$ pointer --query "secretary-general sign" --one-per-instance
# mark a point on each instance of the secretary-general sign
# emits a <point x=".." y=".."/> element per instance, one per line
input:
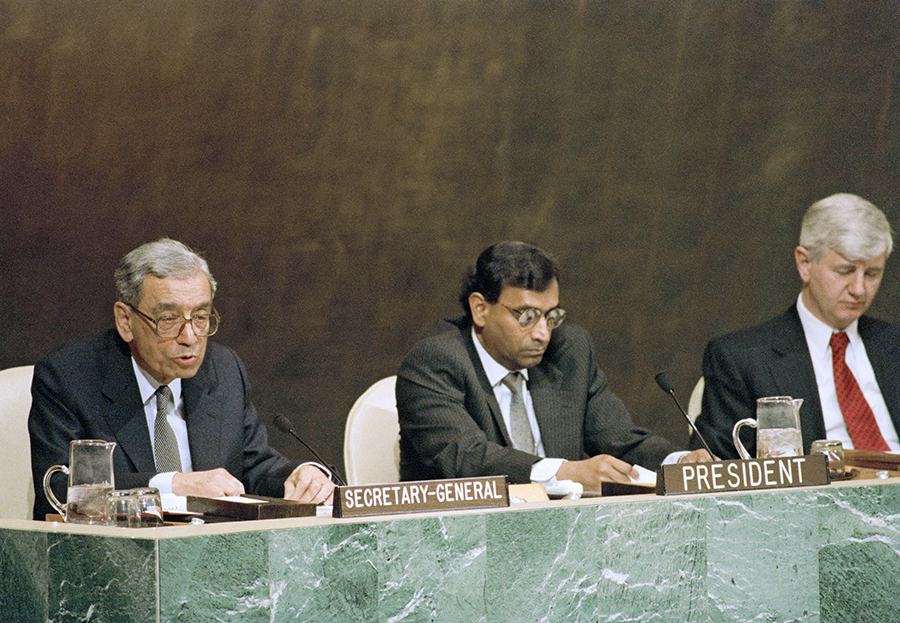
<point x="419" y="496"/>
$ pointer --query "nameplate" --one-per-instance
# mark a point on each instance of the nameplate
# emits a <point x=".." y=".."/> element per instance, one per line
<point x="772" y="473"/>
<point x="421" y="496"/>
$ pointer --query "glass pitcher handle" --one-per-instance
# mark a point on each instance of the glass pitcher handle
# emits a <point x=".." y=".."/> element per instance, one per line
<point x="55" y="503"/>
<point x="735" y="437"/>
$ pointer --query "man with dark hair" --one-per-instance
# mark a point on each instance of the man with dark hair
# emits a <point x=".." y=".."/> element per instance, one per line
<point x="177" y="408"/>
<point x="823" y="349"/>
<point x="506" y="390"/>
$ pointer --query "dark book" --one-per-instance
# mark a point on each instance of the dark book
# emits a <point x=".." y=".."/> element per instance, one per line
<point x="259" y="507"/>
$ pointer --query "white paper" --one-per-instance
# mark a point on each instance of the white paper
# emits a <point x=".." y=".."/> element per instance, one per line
<point x="240" y="499"/>
<point x="566" y="489"/>
<point x="174" y="503"/>
<point x="645" y="476"/>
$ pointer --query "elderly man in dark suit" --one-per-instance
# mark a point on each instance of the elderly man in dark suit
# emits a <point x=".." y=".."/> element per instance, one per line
<point x="506" y="390"/>
<point x="156" y="372"/>
<point x="844" y="365"/>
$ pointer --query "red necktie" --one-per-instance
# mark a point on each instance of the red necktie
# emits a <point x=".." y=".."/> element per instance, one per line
<point x="857" y="412"/>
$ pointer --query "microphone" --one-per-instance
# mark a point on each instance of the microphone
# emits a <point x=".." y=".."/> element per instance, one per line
<point x="663" y="381"/>
<point x="284" y="425"/>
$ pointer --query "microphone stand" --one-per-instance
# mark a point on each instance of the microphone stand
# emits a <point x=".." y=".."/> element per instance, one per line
<point x="663" y="381"/>
<point x="284" y="425"/>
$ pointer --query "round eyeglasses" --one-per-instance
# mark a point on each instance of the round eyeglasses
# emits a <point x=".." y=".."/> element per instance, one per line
<point x="169" y="325"/>
<point x="529" y="316"/>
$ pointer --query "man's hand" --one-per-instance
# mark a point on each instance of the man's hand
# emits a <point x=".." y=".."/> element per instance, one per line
<point x="209" y="484"/>
<point x="697" y="456"/>
<point x="308" y="483"/>
<point x="591" y="472"/>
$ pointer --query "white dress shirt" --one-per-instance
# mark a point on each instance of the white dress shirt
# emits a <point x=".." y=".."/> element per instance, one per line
<point x="818" y="337"/>
<point x="544" y="471"/>
<point x="147" y="385"/>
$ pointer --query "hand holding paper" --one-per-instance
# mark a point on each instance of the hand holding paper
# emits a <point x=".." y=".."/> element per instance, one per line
<point x="597" y="469"/>
<point x="645" y="476"/>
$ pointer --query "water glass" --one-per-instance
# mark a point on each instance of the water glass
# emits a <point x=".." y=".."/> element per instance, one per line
<point x="123" y="508"/>
<point x="834" y="452"/>
<point x="136" y="508"/>
<point x="149" y="503"/>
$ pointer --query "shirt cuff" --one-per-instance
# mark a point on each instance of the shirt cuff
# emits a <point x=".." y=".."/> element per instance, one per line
<point x="675" y="457"/>
<point x="163" y="482"/>
<point x="544" y="471"/>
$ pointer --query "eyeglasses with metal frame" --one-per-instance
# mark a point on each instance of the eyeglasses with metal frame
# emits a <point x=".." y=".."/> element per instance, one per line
<point x="169" y="325"/>
<point x="529" y="316"/>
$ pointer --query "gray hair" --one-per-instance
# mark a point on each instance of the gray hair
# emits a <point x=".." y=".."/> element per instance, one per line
<point x="847" y="224"/>
<point x="163" y="258"/>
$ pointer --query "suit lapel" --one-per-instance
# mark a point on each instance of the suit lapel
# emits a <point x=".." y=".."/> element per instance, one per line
<point x="793" y="374"/>
<point x="123" y="409"/>
<point x="201" y="405"/>
<point x="486" y="390"/>
<point x="546" y="398"/>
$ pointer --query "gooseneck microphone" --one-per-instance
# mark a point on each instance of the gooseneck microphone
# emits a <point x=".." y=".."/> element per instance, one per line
<point x="284" y="425"/>
<point x="663" y="381"/>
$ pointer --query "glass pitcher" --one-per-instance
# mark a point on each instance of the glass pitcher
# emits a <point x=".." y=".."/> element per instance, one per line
<point x="90" y="473"/>
<point x="777" y="427"/>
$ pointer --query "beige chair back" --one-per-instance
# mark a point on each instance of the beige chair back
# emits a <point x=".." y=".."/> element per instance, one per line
<point x="372" y="436"/>
<point x="695" y="403"/>
<point x="17" y="490"/>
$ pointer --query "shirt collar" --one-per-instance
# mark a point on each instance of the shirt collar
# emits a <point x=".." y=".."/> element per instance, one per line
<point x="147" y="385"/>
<point x="494" y="371"/>
<point x="818" y="334"/>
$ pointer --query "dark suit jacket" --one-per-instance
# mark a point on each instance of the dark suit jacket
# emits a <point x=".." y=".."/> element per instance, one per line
<point x="88" y="391"/>
<point x="772" y="359"/>
<point x="451" y="425"/>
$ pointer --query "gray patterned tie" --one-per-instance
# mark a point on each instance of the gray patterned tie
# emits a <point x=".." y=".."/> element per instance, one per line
<point x="520" y="427"/>
<point x="168" y="459"/>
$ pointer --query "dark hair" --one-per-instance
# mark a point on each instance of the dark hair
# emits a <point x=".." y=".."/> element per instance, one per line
<point x="515" y="264"/>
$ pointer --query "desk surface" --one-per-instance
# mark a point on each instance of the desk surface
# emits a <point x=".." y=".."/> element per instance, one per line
<point x="806" y="554"/>
<point x="866" y="478"/>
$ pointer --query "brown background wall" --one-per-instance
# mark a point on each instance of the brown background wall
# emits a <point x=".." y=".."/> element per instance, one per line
<point x="341" y="163"/>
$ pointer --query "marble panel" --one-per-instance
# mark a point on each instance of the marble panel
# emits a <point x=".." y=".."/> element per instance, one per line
<point x="222" y="577"/>
<point x="762" y="557"/>
<point x="426" y="569"/>
<point x="567" y="564"/>
<point x="528" y="562"/>
<point x="432" y="569"/>
<point x="651" y="562"/>
<point x="324" y="573"/>
<point x="859" y="561"/>
<point x="95" y="578"/>
<point x="23" y="576"/>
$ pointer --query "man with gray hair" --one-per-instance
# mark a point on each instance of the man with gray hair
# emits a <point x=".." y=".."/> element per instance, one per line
<point x="822" y="349"/>
<point x="177" y="407"/>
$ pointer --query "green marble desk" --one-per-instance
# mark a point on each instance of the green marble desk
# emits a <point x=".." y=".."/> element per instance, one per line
<point x="818" y="554"/>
